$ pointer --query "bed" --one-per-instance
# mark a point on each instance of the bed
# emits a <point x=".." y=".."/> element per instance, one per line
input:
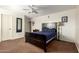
<point x="44" y="37"/>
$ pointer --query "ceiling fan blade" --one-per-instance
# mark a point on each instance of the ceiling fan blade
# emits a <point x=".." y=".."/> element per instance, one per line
<point x="33" y="10"/>
<point x="25" y="9"/>
<point x="30" y="6"/>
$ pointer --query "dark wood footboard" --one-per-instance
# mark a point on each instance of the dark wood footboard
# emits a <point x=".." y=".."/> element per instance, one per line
<point x="38" y="40"/>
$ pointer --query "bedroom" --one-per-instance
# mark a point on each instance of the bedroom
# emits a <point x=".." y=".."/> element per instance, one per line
<point x="21" y="20"/>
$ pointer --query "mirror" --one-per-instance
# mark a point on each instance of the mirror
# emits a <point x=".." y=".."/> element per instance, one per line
<point x="18" y="24"/>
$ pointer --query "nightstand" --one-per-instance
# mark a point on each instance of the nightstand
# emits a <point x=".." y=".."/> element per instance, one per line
<point x="35" y="30"/>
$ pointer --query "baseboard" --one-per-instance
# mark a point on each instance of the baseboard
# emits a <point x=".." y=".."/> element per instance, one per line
<point x="72" y="41"/>
<point x="17" y="38"/>
<point x="0" y="40"/>
<point x="77" y="45"/>
<point x="12" y="39"/>
<point x="66" y="41"/>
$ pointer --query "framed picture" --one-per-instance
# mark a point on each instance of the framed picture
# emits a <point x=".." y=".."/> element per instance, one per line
<point x="64" y="18"/>
<point x="18" y="24"/>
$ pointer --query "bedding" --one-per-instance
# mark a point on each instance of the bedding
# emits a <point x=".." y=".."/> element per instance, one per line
<point x="47" y="34"/>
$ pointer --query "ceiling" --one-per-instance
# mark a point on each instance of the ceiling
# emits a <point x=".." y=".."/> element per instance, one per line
<point x="41" y="9"/>
<point x="54" y="8"/>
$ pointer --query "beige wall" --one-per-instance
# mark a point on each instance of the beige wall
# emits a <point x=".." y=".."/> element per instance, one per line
<point x="0" y="27"/>
<point x="77" y="28"/>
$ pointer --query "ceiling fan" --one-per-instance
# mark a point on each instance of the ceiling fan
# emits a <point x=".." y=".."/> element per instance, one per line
<point x="33" y="9"/>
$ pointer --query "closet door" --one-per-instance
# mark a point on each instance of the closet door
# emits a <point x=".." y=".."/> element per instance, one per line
<point x="6" y="27"/>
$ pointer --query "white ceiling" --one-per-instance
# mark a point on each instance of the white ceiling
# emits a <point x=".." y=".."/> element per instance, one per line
<point x="54" y="8"/>
<point x="41" y="9"/>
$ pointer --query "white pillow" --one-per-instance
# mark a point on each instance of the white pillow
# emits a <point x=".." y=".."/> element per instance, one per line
<point x="51" y="25"/>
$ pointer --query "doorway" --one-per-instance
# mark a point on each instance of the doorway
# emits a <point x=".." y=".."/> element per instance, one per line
<point x="27" y="24"/>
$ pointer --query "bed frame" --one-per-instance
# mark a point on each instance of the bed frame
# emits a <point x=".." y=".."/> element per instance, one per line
<point x="38" y="40"/>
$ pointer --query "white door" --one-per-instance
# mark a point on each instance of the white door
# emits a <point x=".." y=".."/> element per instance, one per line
<point x="6" y="27"/>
